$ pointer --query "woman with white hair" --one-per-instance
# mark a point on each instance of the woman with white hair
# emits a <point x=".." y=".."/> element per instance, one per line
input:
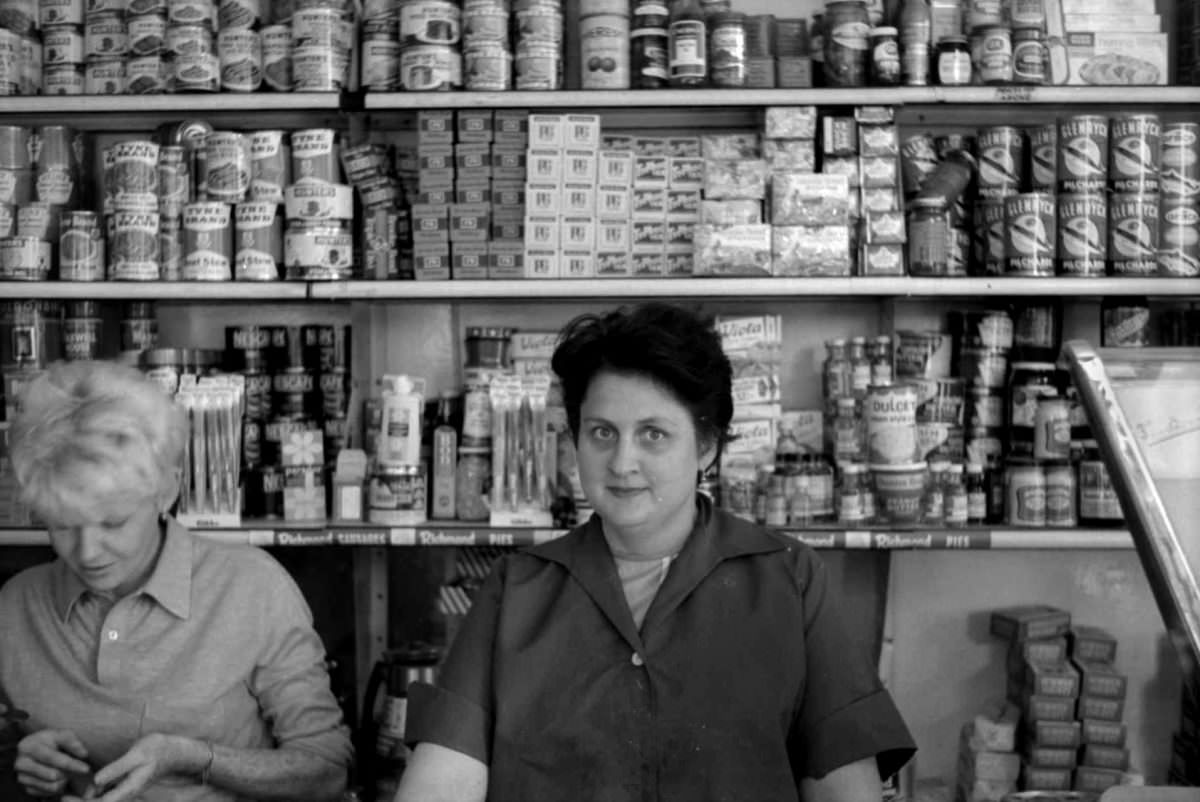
<point x="153" y="665"/>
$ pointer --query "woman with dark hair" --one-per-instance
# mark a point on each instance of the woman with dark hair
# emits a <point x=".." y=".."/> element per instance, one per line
<point x="663" y="650"/>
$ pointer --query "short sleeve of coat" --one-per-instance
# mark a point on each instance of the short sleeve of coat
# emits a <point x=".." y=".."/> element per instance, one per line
<point x="846" y="714"/>
<point x="456" y="712"/>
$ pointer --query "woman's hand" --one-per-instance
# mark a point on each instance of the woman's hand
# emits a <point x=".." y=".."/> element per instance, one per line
<point x="152" y="757"/>
<point x="48" y="759"/>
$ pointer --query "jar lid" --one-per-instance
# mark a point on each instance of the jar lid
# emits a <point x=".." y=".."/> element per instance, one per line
<point x="883" y="30"/>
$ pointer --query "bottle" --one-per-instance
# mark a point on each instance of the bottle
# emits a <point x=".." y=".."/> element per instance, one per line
<point x="816" y="44"/>
<point x="955" y="496"/>
<point x="648" y="45"/>
<point x="882" y="372"/>
<point x="860" y="368"/>
<point x="777" y="502"/>
<point x="835" y="372"/>
<point x="850" y="495"/>
<point x="916" y="29"/>
<point x="935" y="498"/>
<point x="687" y="49"/>
<point x="821" y="488"/>
<point x="849" y="443"/>
<point x="444" y="447"/>
<point x="976" y="494"/>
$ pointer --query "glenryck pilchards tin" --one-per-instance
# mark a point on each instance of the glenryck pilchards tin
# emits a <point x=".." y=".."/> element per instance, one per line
<point x="1135" y="146"/>
<point x="314" y="155"/>
<point x="1179" y="240"/>
<point x="1030" y="226"/>
<point x="1083" y="153"/>
<point x="1180" y="160"/>
<point x="1133" y="225"/>
<point x="1083" y="234"/>
<point x="1001" y="161"/>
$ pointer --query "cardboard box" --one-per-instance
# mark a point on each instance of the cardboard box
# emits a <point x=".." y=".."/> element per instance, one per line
<point x="435" y="157"/>
<point x="1038" y="779"/>
<point x="1048" y="708"/>
<point x="546" y="131"/>
<point x="1117" y="58"/>
<point x="649" y="261"/>
<point x="1052" y="679"/>
<point x="684" y="204"/>
<point x="510" y="127"/>
<point x="683" y="147"/>
<point x="685" y="173"/>
<point x="1095" y="780"/>
<point x="1100" y="679"/>
<point x="508" y="195"/>
<point x="743" y="250"/>
<point x="650" y="171"/>
<point x="615" y="167"/>
<point x="651" y="146"/>
<point x="577" y="264"/>
<point x="649" y="233"/>
<point x="430" y="180"/>
<point x="883" y="260"/>
<point x="544" y="166"/>
<point x="1127" y="23"/>
<point x="579" y="166"/>
<point x="578" y="200"/>
<point x="469" y="222"/>
<point x="790" y="122"/>
<point x="1103" y="733"/>
<point x="996" y="731"/>
<point x="1049" y="757"/>
<point x="506" y="259"/>
<point x="541" y="233"/>
<point x="1092" y="643"/>
<point x="431" y="262"/>
<point x="1108" y="7"/>
<point x="808" y="199"/>
<point x="508" y="163"/>
<point x="732" y="179"/>
<point x="680" y="263"/>
<point x="614" y="264"/>
<point x="507" y="227"/>
<point x="469" y="260"/>
<point x="680" y="235"/>
<point x="798" y="155"/>
<point x="474" y="125"/>
<point x="1029" y="622"/>
<point x="542" y="200"/>
<point x="983" y="764"/>
<point x="435" y="126"/>
<point x="1060" y="734"/>
<point x="614" y="202"/>
<point x="613" y="236"/>
<point x="430" y="223"/>
<point x="581" y="131"/>
<point x="1105" y="757"/>
<point x="577" y="234"/>
<point x="1101" y="708"/>
<point x="474" y="156"/>
<point x="304" y="492"/>
<point x="541" y="264"/>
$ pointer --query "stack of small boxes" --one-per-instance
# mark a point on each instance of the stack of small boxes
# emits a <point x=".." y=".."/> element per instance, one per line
<point x="562" y="163"/>
<point x="1071" y="699"/>
<point x="866" y="149"/>
<point x="468" y="193"/>
<point x="810" y="213"/>
<point x="731" y="238"/>
<point x="383" y="222"/>
<point x="988" y="763"/>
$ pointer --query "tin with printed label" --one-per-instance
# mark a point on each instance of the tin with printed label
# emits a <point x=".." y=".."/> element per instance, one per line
<point x="604" y="52"/>
<point x="240" y="53"/>
<point x="105" y="37"/>
<point x="430" y="22"/>
<point x="270" y="165"/>
<point x="170" y="248"/>
<point x="538" y="68"/>
<point x="24" y="258"/>
<point x="1180" y="160"/>
<point x="147" y="75"/>
<point x="63" y="79"/>
<point x="380" y="65"/>
<point x="1133" y="228"/>
<point x="314" y="156"/>
<point x="199" y="73"/>
<point x="1135" y="148"/>
<point x="319" y="69"/>
<point x="147" y="34"/>
<point x="396" y="495"/>
<point x="207" y="242"/>
<point x="104" y="77"/>
<point x="1179" y="243"/>
<point x="487" y="69"/>
<point x="1031" y="224"/>
<point x="259" y="241"/>
<point x="62" y="44"/>
<point x="174" y="181"/>
<point x="430" y="68"/>
<point x="1025" y="499"/>
<point x="485" y="23"/>
<point x="133" y="247"/>
<point x="228" y="159"/>
<point x="238" y="14"/>
<point x="60" y="12"/>
<point x="1083" y="153"/>
<point x="1001" y="161"/>
<point x="81" y="247"/>
<point x="317" y="252"/>
<point x="1082" y="234"/>
<point x="277" y="57"/>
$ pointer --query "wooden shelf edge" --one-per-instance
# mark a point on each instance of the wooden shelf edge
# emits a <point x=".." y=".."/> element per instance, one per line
<point x="156" y="290"/>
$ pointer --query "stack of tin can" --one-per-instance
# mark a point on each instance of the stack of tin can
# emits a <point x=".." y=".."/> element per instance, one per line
<point x="487" y="46"/>
<point x="379" y="47"/>
<point x="318" y="243"/>
<point x="39" y="184"/>
<point x="239" y="45"/>
<point x="322" y="38"/>
<point x="297" y="378"/>
<point x="430" y="34"/>
<point x="62" y="68"/>
<point x="538" y="60"/>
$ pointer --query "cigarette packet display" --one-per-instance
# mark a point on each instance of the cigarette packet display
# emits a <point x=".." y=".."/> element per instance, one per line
<point x="799" y="155"/>
<point x="1095" y="780"/>
<point x="742" y="250"/>
<point x="1039" y="779"/>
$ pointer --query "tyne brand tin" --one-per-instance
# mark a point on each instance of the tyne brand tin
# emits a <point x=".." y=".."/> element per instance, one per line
<point x="259" y="241"/>
<point x="207" y="242"/>
<point x="270" y="165"/>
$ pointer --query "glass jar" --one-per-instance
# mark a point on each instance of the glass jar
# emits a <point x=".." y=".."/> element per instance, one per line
<point x="836" y="371"/>
<point x="1029" y="56"/>
<point x="994" y="61"/>
<point x="687" y="44"/>
<point x="954" y="61"/>
<point x="882" y="372"/>
<point x="860" y="367"/>
<point x="487" y="346"/>
<point x="955" y="502"/>
<point x="885" y="56"/>
<point x="935" y="494"/>
<point x="648" y="45"/>
<point x="928" y="237"/>
<point x="1098" y="502"/>
<point x="846" y="43"/>
<point x="727" y="52"/>
<point x="976" y="489"/>
<point x="851" y="502"/>
<point x="472" y="483"/>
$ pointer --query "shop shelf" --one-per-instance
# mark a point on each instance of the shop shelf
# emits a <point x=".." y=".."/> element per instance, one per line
<point x="156" y="290"/>
<point x="747" y="288"/>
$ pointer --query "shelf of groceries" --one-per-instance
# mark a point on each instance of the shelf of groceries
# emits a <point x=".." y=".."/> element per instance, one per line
<point x="737" y="288"/>
<point x="434" y="533"/>
<point x="267" y="102"/>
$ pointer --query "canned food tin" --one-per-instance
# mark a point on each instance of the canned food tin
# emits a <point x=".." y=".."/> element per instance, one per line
<point x="1125" y="323"/>
<point x="200" y="73"/>
<point x="985" y="408"/>
<point x="604" y="52"/>
<point x="1043" y="158"/>
<point x="760" y="72"/>
<point x="1031" y="382"/>
<point x="81" y="333"/>
<point x="891" y="419"/>
<point x="29" y="71"/>
<point x="277" y="57"/>
<point x="238" y="14"/>
<point x="63" y="79"/>
<point x="984" y="367"/>
<point x="487" y="69"/>
<point x="131" y="176"/>
<point x="81" y="247"/>
<point x="314" y="155"/>
<point x="381" y="65"/>
<point x="174" y="181"/>
<point x="396" y="495"/>
<point x="1179" y="244"/>
<point x="922" y="354"/>
<point x="1029" y="219"/>
<point x="1083" y="153"/>
<point x="900" y="491"/>
<point x="39" y="220"/>
<point x="1001" y="161"/>
<point x="259" y="235"/>
<point x="270" y="165"/>
<point x="105" y="36"/>
<point x="1052" y="429"/>
<point x="1082" y="234"/>
<point x="240" y="53"/>
<point x="207" y="242"/>
<point x="317" y="201"/>
<point x="139" y="326"/>
<point x="318" y="252"/>
<point x="1029" y="56"/>
<point x="147" y="75"/>
<point x="60" y="12"/>
<point x="24" y="258"/>
<point x="192" y="12"/>
<point x="147" y="34"/>
<point x="135" y="8"/>
<point x="430" y="68"/>
<point x="319" y="69"/>
<point x="228" y="159"/>
<point x="1133" y="221"/>
<point x="321" y="27"/>
<point x="485" y="23"/>
<point x="170" y="249"/>
<point x="538" y="68"/>
<point x="381" y="29"/>
<point x="133" y="247"/>
<point x="1135" y="143"/>
<point x="539" y="23"/>
<point x="62" y="44"/>
<point x="189" y="40"/>
<point x="17" y="185"/>
<point x="1180" y="160"/>
<point x="918" y="158"/>
<point x="429" y="22"/>
<point x="1025" y="501"/>
<point x="994" y="64"/>
<point x="105" y="77"/>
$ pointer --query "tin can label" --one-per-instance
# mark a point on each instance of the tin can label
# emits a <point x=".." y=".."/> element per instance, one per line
<point x="170" y="249"/>
<point x="538" y="68"/>
<point x="1001" y="156"/>
<point x="81" y="249"/>
<point x="8" y="219"/>
<point x="207" y="242"/>
<point x="62" y="44"/>
<point x="1030" y="221"/>
<point x="1082" y="234"/>
<point x="1179" y="250"/>
<point x="133" y="247"/>
<point x="277" y="57"/>
<point x="259" y="236"/>
<point x="199" y="73"/>
<point x="381" y="65"/>
<point x="1180" y="160"/>
<point x="540" y="24"/>
<point x="241" y="60"/>
<point x="1083" y="155"/>
<point x="1135" y="143"/>
<point x="62" y="80"/>
<point x="995" y="62"/>
<point x="1043" y="157"/>
<point x="1026" y="502"/>
<point x="314" y="155"/>
<point x="604" y="44"/>
<point x="315" y="201"/>
<point x="192" y="12"/>
<point x="131" y="176"/>
<point x="39" y="220"/>
<point x="487" y="69"/>
<point x="430" y="22"/>
<point x="1133" y="223"/>
<point x="427" y="68"/>
<point x="321" y="27"/>
<point x="16" y="185"/>
<point x="484" y="24"/>
<point x="238" y="14"/>
<point x="81" y="338"/>
<point x="891" y="419"/>
<point x="270" y="166"/>
<point x="228" y="155"/>
<point x="60" y="12"/>
<point x="189" y="40"/>
<point x="24" y="258"/>
<point x="105" y="36"/>
<point x="104" y="77"/>
<point x="147" y="34"/>
<point x="303" y="250"/>
<point x="146" y="75"/>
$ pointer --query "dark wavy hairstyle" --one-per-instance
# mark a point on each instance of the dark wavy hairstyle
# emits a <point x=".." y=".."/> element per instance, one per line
<point x="675" y="347"/>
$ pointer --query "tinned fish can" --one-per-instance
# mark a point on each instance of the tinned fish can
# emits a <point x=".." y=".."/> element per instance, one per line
<point x="147" y="75"/>
<point x="259" y="241"/>
<point x="430" y="22"/>
<point x="131" y="176"/>
<point x="240" y="53"/>
<point x="380" y="65"/>
<point x="538" y="68"/>
<point x="104" y="77"/>
<point x="198" y="73"/>
<point x="319" y="68"/>
<point x="1083" y="153"/>
<point x="270" y="165"/>
<point x="24" y="258"/>
<point x="487" y="68"/>
<point x="484" y="24"/>
<point x="174" y="181"/>
<point x="314" y="156"/>
<point x="1180" y="160"/>
<point x="170" y="248"/>
<point x="59" y="151"/>
<point x="238" y="14"/>
<point x="891" y="421"/>
<point x="228" y="159"/>
<point x="105" y="37"/>
<point x="430" y="68"/>
<point x="81" y="331"/>
<point x="207" y="242"/>
<point x="318" y="252"/>
<point x="396" y="495"/>
<point x="604" y="51"/>
<point x="1179" y="243"/>
<point x="1030" y="223"/>
<point x="321" y="27"/>
<point x="133" y="247"/>
<point x="277" y="57"/>
<point x="1135" y="145"/>
<point x="1001" y="161"/>
<point x="1043" y="158"/>
<point x="81" y="247"/>
<point x="1082" y="234"/>
<point x="60" y="12"/>
<point x="192" y="12"/>
<point x="190" y="40"/>
<point x="1133" y="225"/>
<point x="63" y="79"/>
<point x="147" y="34"/>
<point x="62" y="44"/>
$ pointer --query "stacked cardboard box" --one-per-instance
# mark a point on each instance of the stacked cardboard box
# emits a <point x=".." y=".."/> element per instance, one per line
<point x="988" y="763"/>
<point x="1103" y="758"/>
<point x="732" y="238"/>
<point x="562" y="165"/>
